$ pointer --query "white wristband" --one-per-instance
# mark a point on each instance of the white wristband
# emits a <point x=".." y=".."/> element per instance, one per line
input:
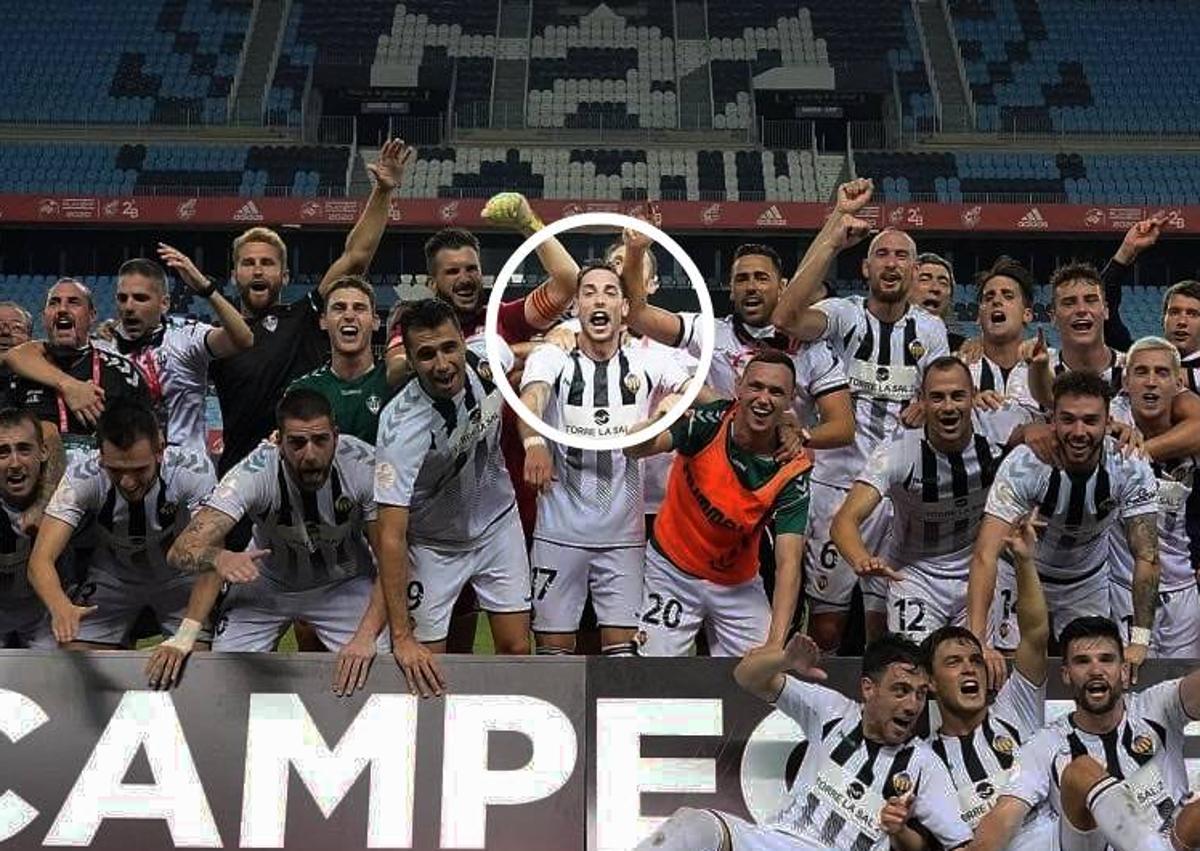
<point x="1139" y="635"/>
<point x="534" y="440"/>
<point x="185" y="637"/>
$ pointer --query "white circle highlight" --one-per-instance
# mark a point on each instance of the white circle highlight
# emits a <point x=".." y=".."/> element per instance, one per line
<point x="708" y="329"/>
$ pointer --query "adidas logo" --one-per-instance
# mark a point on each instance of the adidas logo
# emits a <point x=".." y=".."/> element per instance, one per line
<point x="1033" y="220"/>
<point x="771" y="217"/>
<point x="248" y="212"/>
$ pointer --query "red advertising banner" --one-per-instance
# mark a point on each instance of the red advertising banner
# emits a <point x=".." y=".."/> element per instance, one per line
<point x="684" y="216"/>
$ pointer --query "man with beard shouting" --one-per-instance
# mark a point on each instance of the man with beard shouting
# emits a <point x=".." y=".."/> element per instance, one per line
<point x="1112" y="770"/>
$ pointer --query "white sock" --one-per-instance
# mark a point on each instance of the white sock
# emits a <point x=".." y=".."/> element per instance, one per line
<point x="687" y="830"/>
<point x="1125" y="825"/>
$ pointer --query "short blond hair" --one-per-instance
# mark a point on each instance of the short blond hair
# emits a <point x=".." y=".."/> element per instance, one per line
<point x="263" y="235"/>
<point x="1155" y="344"/>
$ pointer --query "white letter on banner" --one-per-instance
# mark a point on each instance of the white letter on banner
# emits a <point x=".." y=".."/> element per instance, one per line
<point x="143" y="719"/>
<point x="281" y="733"/>
<point x="622" y="774"/>
<point x="467" y="784"/>
<point x="764" y="765"/>
<point x="19" y="716"/>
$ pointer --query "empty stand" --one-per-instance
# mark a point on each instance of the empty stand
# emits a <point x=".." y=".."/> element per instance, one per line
<point x="1061" y="66"/>
<point x="163" y="61"/>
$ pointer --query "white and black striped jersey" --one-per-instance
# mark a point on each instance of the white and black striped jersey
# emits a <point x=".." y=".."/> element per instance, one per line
<point x="441" y="459"/>
<point x="982" y="761"/>
<point x="15" y="546"/>
<point x="174" y="360"/>
<point x="1191" y="371"/>
<point x="884" y="363"/>
<point x="130" y="540"/>
<point x="937" y="499"/>
<point x="1020" y="408"/>
<point x="1178" y="550"/>
<point x="598" y="495"/>
<point x="845" y="779"/>
<point x="1114" y="373"/>
<point x="818" y="370"/>
<point x="1079" y="509"/>
<point x="1145" y="750"/>
<point x="315" y="537"/>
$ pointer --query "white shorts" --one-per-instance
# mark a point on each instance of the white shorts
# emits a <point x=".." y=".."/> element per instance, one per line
<point x="1176" y="632"/>
<point x="27" y="621"/>
<point x="497" y="568"/>
<point x="736" y="618"/>
<point x="562" y="576"/>
<point x="828" y="578"/>
<point x="1078" y="597"/>
<point x="256" y="614"/>
<point x="119" y="603"/>
<point x="919" y="603"/>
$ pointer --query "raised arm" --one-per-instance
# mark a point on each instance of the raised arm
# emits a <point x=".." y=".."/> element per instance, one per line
<point x="842" y="229"/>
<point x="547" y="302"/>
<point x="763" y="672"/>
<point x="1033" y="617"/>
<point x="658" y="324"/>
<point x="1140" y="236"/>
<point x="363" y="240"/>
<point x="233" y="335"/>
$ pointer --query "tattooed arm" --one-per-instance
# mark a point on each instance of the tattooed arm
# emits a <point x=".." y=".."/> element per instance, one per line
<point x="1142" y="533"/>
<point x="200" y="548"/>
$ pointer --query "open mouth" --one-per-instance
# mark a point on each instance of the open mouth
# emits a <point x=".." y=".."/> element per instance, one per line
<point x="15" y="478"/>
<point x="1082" y="326"/>
<point x="761" y="410"/>
<point x="1181" y="336"/>
<point x="970" y="686"/>
<point x="1150" y="398"/>
<point x="599" y="320"/>
<point x="949" y="420"/>
<point x="64" y="322"/>
<point x="466" y="289"/>
<point x="259" y="287"/>
<point x="751" y="302"/>
<point x="1096" y="688"/>
<point x="444" y="380"/>
<point x="902" y="723"/>
<point x="932" y="304"/>
<point x="997" y="317"/>
<point x="348" y="333"/>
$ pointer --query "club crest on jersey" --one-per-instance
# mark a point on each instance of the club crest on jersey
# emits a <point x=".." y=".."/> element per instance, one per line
<point x="917" y="349"/>
<point x="1142" y="745"/>
<point x="855" y="790"/>
<point x="271" y="323"/>
<point x="902" y="782"/>
<point x="1004" y="745"/>
<point x="882" y="373"/>
<point x="632" y="382"/>
<point x="985" y="790"/>
<point x="485" y="371"/>
<point x="166" y="514"/>
<point x="343" y="505"/>
<point x="601" y="416"/>
<point x="374" y="403"/>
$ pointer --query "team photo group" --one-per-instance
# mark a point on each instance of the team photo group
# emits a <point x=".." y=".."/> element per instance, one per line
<point x="852" y="478"/>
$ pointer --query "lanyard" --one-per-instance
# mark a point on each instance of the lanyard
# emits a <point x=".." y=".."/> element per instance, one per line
<point x="147" y="364"/>
<point x="62" y="406"/>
